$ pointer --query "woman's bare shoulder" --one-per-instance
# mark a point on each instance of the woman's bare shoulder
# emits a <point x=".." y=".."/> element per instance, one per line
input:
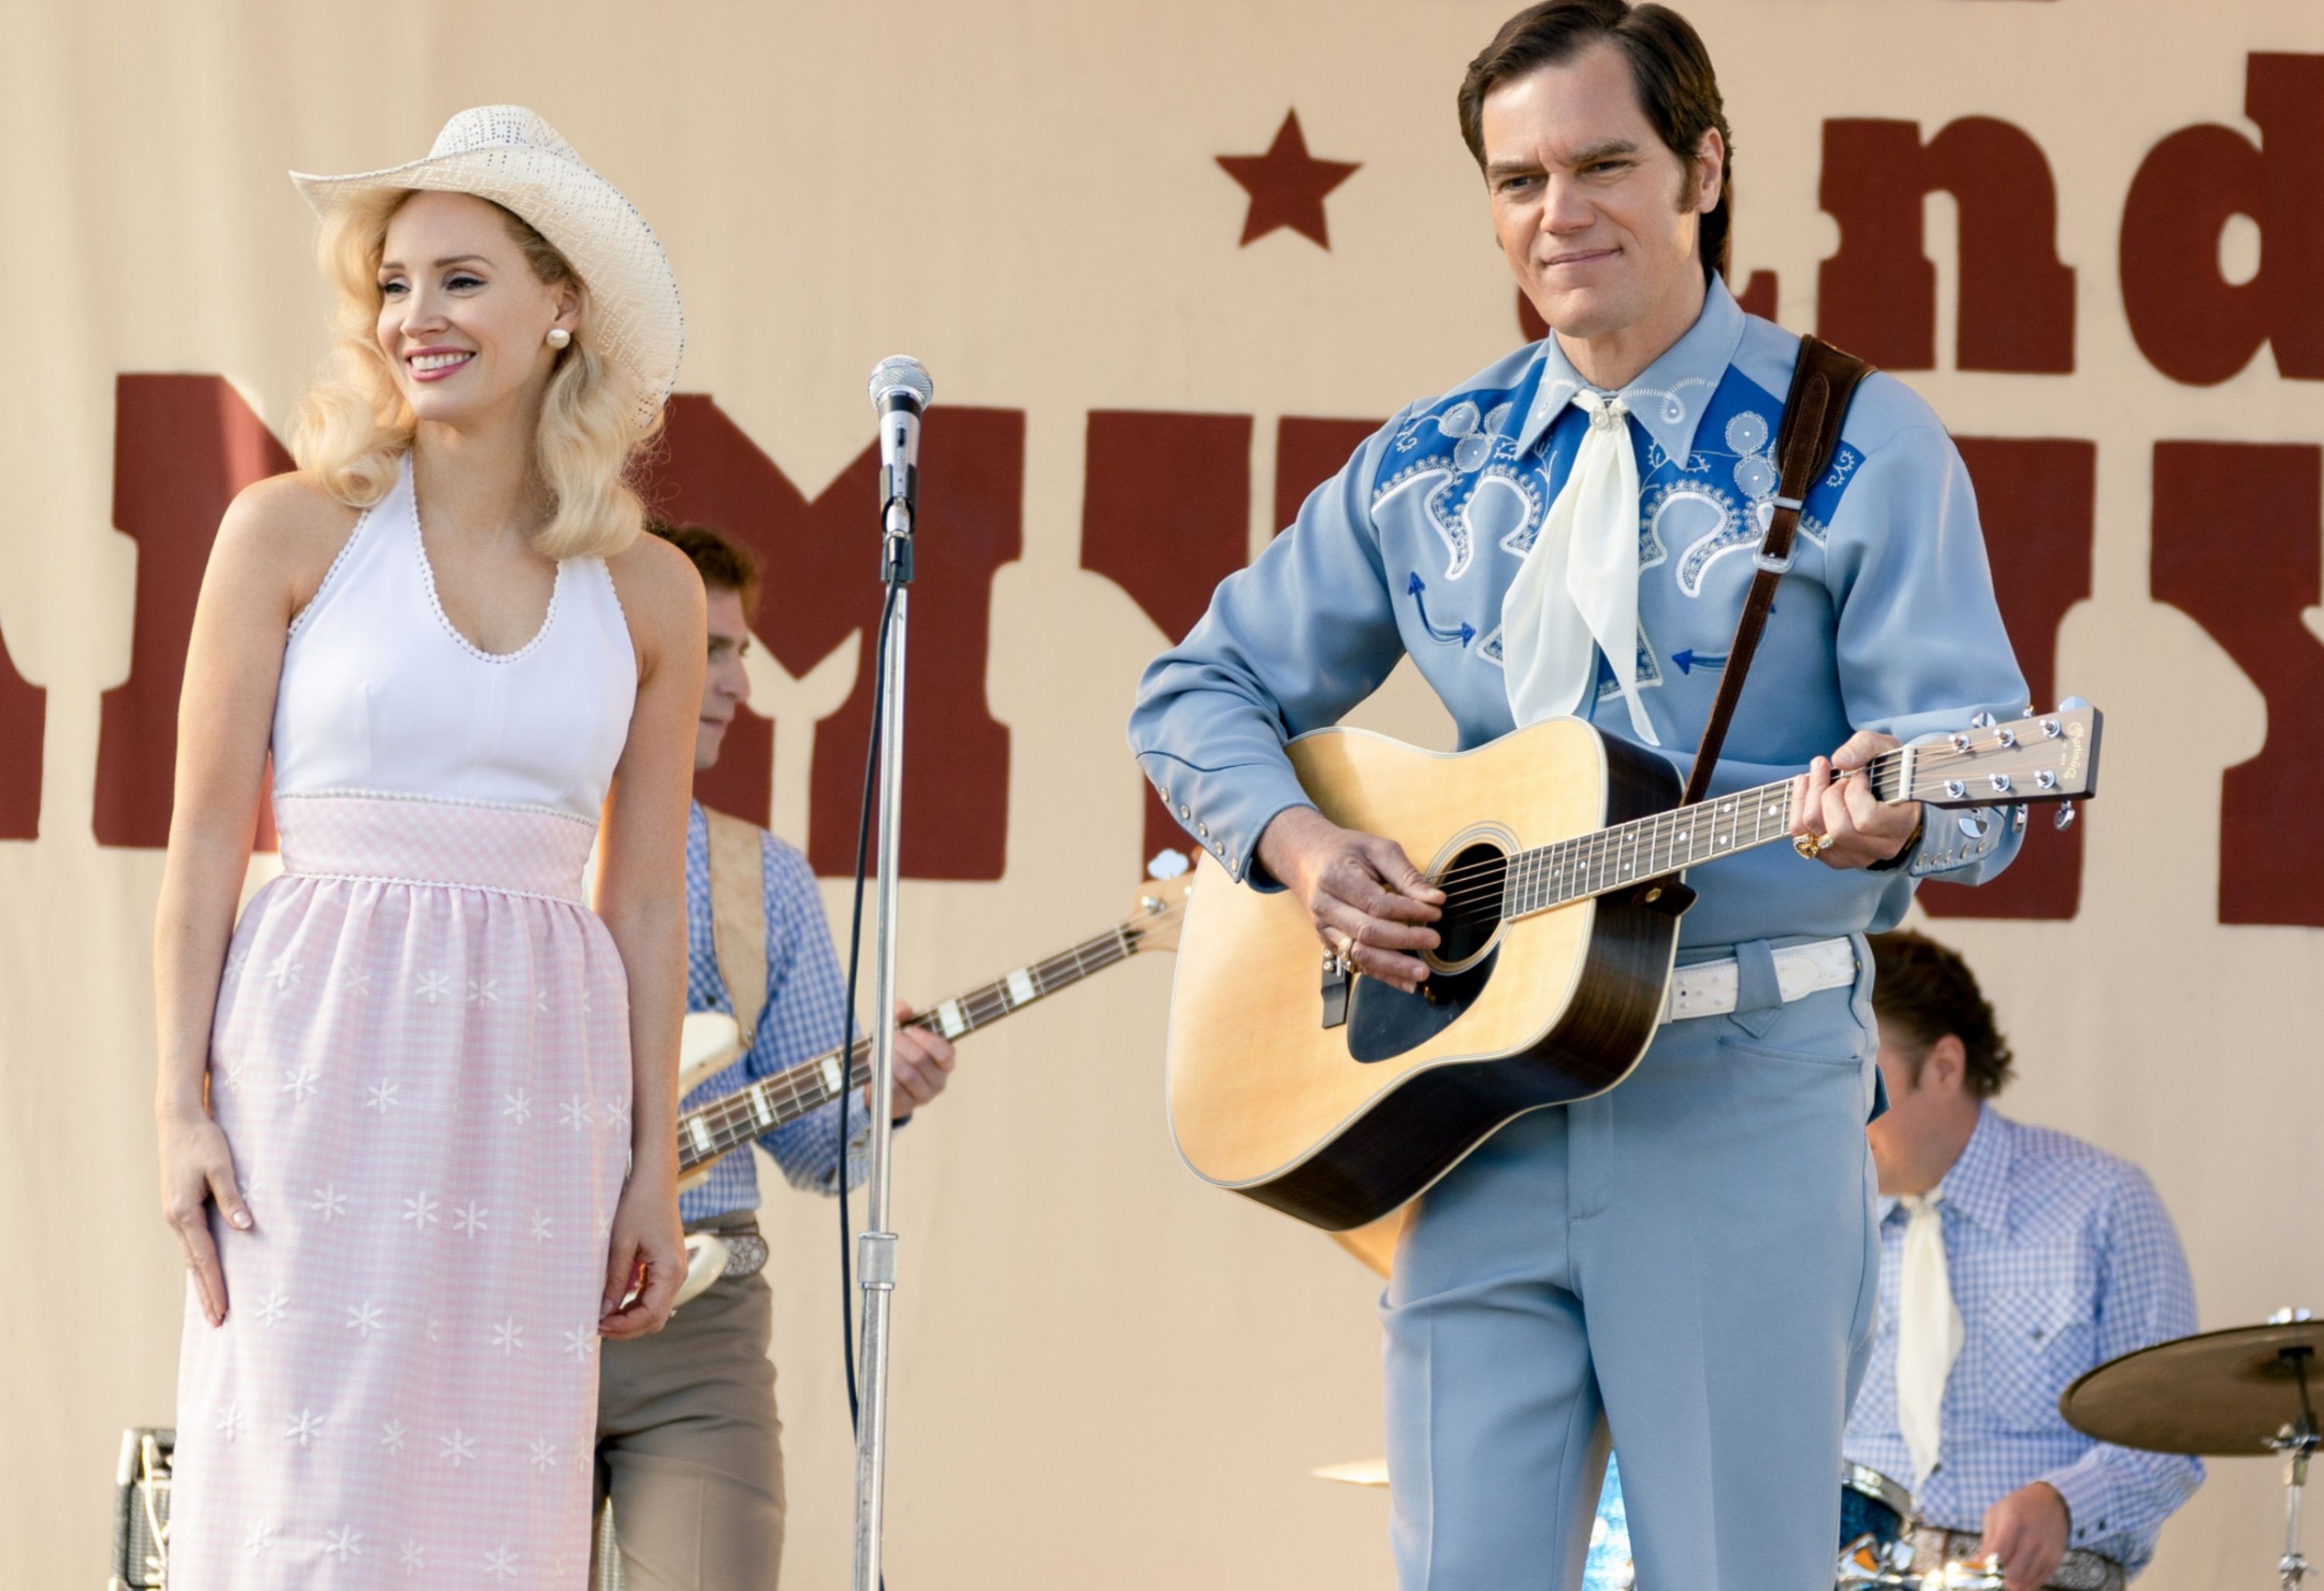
<point x="288" y="517"/>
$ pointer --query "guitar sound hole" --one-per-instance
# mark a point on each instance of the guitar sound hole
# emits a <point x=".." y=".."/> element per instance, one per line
<point x="1472" y="883"/>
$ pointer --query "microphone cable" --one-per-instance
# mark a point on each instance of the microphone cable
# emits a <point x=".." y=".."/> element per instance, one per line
<point x="854" y="964"/>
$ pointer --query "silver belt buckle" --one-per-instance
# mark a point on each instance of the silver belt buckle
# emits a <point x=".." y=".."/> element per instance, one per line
<point x="746" y="1253"/>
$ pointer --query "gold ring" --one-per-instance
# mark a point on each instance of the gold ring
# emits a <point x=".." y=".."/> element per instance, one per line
<point x="1811" y="847"/>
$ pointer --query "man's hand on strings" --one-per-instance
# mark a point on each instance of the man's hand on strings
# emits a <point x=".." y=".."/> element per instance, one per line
<point x="1362" y="893"/>
<point x="1852" y="827"/>
<point x="923" y="1062"/>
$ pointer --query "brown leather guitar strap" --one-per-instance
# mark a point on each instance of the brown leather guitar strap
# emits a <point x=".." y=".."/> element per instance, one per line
<point x="1822" y="382"/>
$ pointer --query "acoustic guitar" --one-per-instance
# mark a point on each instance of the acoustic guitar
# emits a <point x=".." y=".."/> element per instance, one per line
<point x="1336" y="1099"/>
<point x="725" y="1124"/>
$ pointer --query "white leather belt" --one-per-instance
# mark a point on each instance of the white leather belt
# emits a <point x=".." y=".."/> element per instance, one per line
<point x="1710" y="989"/>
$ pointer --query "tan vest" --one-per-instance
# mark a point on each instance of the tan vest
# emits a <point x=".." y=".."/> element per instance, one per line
<point x="738" y="916"/>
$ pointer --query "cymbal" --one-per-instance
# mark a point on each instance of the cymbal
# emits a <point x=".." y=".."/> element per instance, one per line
<point x="2224" y="1393"/>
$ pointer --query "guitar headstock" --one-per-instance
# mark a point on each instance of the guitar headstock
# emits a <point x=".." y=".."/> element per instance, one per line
<point x="1161" y="908"/>
<point x="2041" y="757"/>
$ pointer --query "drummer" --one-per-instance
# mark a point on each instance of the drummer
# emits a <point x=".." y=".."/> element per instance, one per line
<point x="2012" y="1259"/>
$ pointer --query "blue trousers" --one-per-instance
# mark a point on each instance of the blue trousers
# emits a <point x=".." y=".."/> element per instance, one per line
<point x="1687" y="1264"/>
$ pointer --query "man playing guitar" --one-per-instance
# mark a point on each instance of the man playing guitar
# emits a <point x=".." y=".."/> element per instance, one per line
<point x="1690" y="1259"/>
<point x="688" y="1445"/>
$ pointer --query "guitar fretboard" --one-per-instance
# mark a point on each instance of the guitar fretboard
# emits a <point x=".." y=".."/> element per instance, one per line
<point x="1607" y="859"/>
<point x="771" y="1102"/>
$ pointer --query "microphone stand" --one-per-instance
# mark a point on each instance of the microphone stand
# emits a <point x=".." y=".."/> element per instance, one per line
<point x="875" y="1246"/>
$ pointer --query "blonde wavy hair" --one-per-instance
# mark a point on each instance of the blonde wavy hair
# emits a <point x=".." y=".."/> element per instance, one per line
<point x="354" y="425"/>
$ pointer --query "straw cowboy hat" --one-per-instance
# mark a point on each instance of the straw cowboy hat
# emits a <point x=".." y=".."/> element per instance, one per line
<point x="511" y="156"/>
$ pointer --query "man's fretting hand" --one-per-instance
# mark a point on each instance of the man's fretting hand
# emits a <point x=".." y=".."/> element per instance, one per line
<point x="1362" y="893"/>
<point x="1858" y="827"/>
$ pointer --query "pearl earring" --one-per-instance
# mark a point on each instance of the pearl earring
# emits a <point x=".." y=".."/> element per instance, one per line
<point x="558" y="336"/>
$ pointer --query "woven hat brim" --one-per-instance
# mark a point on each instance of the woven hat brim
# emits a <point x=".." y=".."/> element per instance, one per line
<point x="639" y="323"/>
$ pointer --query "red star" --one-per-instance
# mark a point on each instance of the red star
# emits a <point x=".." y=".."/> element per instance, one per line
<point x="1286" y="185"/>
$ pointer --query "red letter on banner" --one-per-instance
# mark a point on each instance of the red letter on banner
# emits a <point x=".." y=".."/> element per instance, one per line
<point x="2036" y="497"/>
<point x="2192" y="324"/>
<point x="821" y="564"/>
<point x="2246" y="585"/>
<point x="1878" y="296"/>
<point x="1166" y="515"/>
<point x="182" y="447"/>
<point x="22" y="718"/>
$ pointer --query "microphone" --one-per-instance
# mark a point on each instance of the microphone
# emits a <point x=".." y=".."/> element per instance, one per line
<point x="901" y="392"/>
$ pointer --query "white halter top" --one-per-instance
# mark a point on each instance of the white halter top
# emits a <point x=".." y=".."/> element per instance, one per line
<point x="380" y="694"/>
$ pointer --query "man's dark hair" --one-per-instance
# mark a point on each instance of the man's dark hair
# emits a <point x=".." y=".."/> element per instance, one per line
<point x="1669" y="69"/>
<point x="723" y="565"/>
<point x="1921" y="991"/>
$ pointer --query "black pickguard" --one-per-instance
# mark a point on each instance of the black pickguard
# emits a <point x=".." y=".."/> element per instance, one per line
<point x="1384" y="1023"/>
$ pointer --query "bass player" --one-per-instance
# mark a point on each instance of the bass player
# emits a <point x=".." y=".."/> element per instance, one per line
<point x="1688" y="1261"/>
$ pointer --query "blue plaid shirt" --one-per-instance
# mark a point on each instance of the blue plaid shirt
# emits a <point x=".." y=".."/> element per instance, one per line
<point x="2061" y="1258"/>
<point x="807" y="1003"/>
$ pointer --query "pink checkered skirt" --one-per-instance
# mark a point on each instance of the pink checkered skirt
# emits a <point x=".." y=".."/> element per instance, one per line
<point x="421" y="1060"/>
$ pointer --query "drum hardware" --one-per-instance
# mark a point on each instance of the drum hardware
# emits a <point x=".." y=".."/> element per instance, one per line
<point x="1876" y="1533"/>
<point x="140" y="1509"/>
<point x="2233" y="1393"/>
<point x="1869" y="1566"/>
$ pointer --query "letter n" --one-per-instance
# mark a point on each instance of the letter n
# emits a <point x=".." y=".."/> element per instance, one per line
<point x="1878" y="296"/>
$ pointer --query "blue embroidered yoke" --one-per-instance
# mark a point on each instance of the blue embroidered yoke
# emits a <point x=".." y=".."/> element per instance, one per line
<point x="1887" y="621"/>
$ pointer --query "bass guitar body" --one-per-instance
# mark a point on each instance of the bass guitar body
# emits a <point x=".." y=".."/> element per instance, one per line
<point x="1338" y="1125"/>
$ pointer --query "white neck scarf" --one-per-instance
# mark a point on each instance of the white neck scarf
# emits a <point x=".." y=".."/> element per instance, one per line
<point x="1577" y="592"/>
<point x="1929" y="1334"/>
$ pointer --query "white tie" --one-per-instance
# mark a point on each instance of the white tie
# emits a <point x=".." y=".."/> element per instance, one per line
<point x="1928" y="1334"/>
<point x="1577" y="591"/>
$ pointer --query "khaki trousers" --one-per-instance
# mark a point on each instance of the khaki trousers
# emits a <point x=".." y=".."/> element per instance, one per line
<point x="689" y="1449"/>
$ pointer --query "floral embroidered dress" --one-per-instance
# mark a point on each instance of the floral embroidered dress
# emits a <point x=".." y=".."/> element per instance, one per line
<point x="421" y="1060"/>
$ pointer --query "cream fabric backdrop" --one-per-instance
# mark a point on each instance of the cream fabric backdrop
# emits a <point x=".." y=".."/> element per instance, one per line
<point x="1105" y="1373"/>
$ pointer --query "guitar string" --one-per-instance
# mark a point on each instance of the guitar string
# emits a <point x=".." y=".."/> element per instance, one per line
<point x="1932" y="758"/>
<point x="1475" y="879"/>
<point x="1661" y="831"/>
<point x="1595" y="860"/>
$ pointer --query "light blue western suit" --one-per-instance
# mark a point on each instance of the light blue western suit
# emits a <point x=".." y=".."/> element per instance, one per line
<point x="1690" y="1260"/>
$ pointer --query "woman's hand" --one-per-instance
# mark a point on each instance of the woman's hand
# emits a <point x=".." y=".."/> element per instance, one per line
<point x="197" y="1167"/>
<point x="647" y="1252"/>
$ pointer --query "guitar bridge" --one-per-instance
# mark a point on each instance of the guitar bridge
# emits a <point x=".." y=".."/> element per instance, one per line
<point x="1337" y="976"/>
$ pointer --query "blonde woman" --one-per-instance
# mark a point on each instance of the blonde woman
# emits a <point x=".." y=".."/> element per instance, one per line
<point x="416" y="1109"/>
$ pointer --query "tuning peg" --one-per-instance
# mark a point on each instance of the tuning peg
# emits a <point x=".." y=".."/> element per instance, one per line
<point x="2073" y="704"/>
<point x="2017" y="819"/>
<point x="1980" y="720"/>
<point x="1973" y="823"/>
<point x="1168" y="864"/>
<point x="2066" y="814"/>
